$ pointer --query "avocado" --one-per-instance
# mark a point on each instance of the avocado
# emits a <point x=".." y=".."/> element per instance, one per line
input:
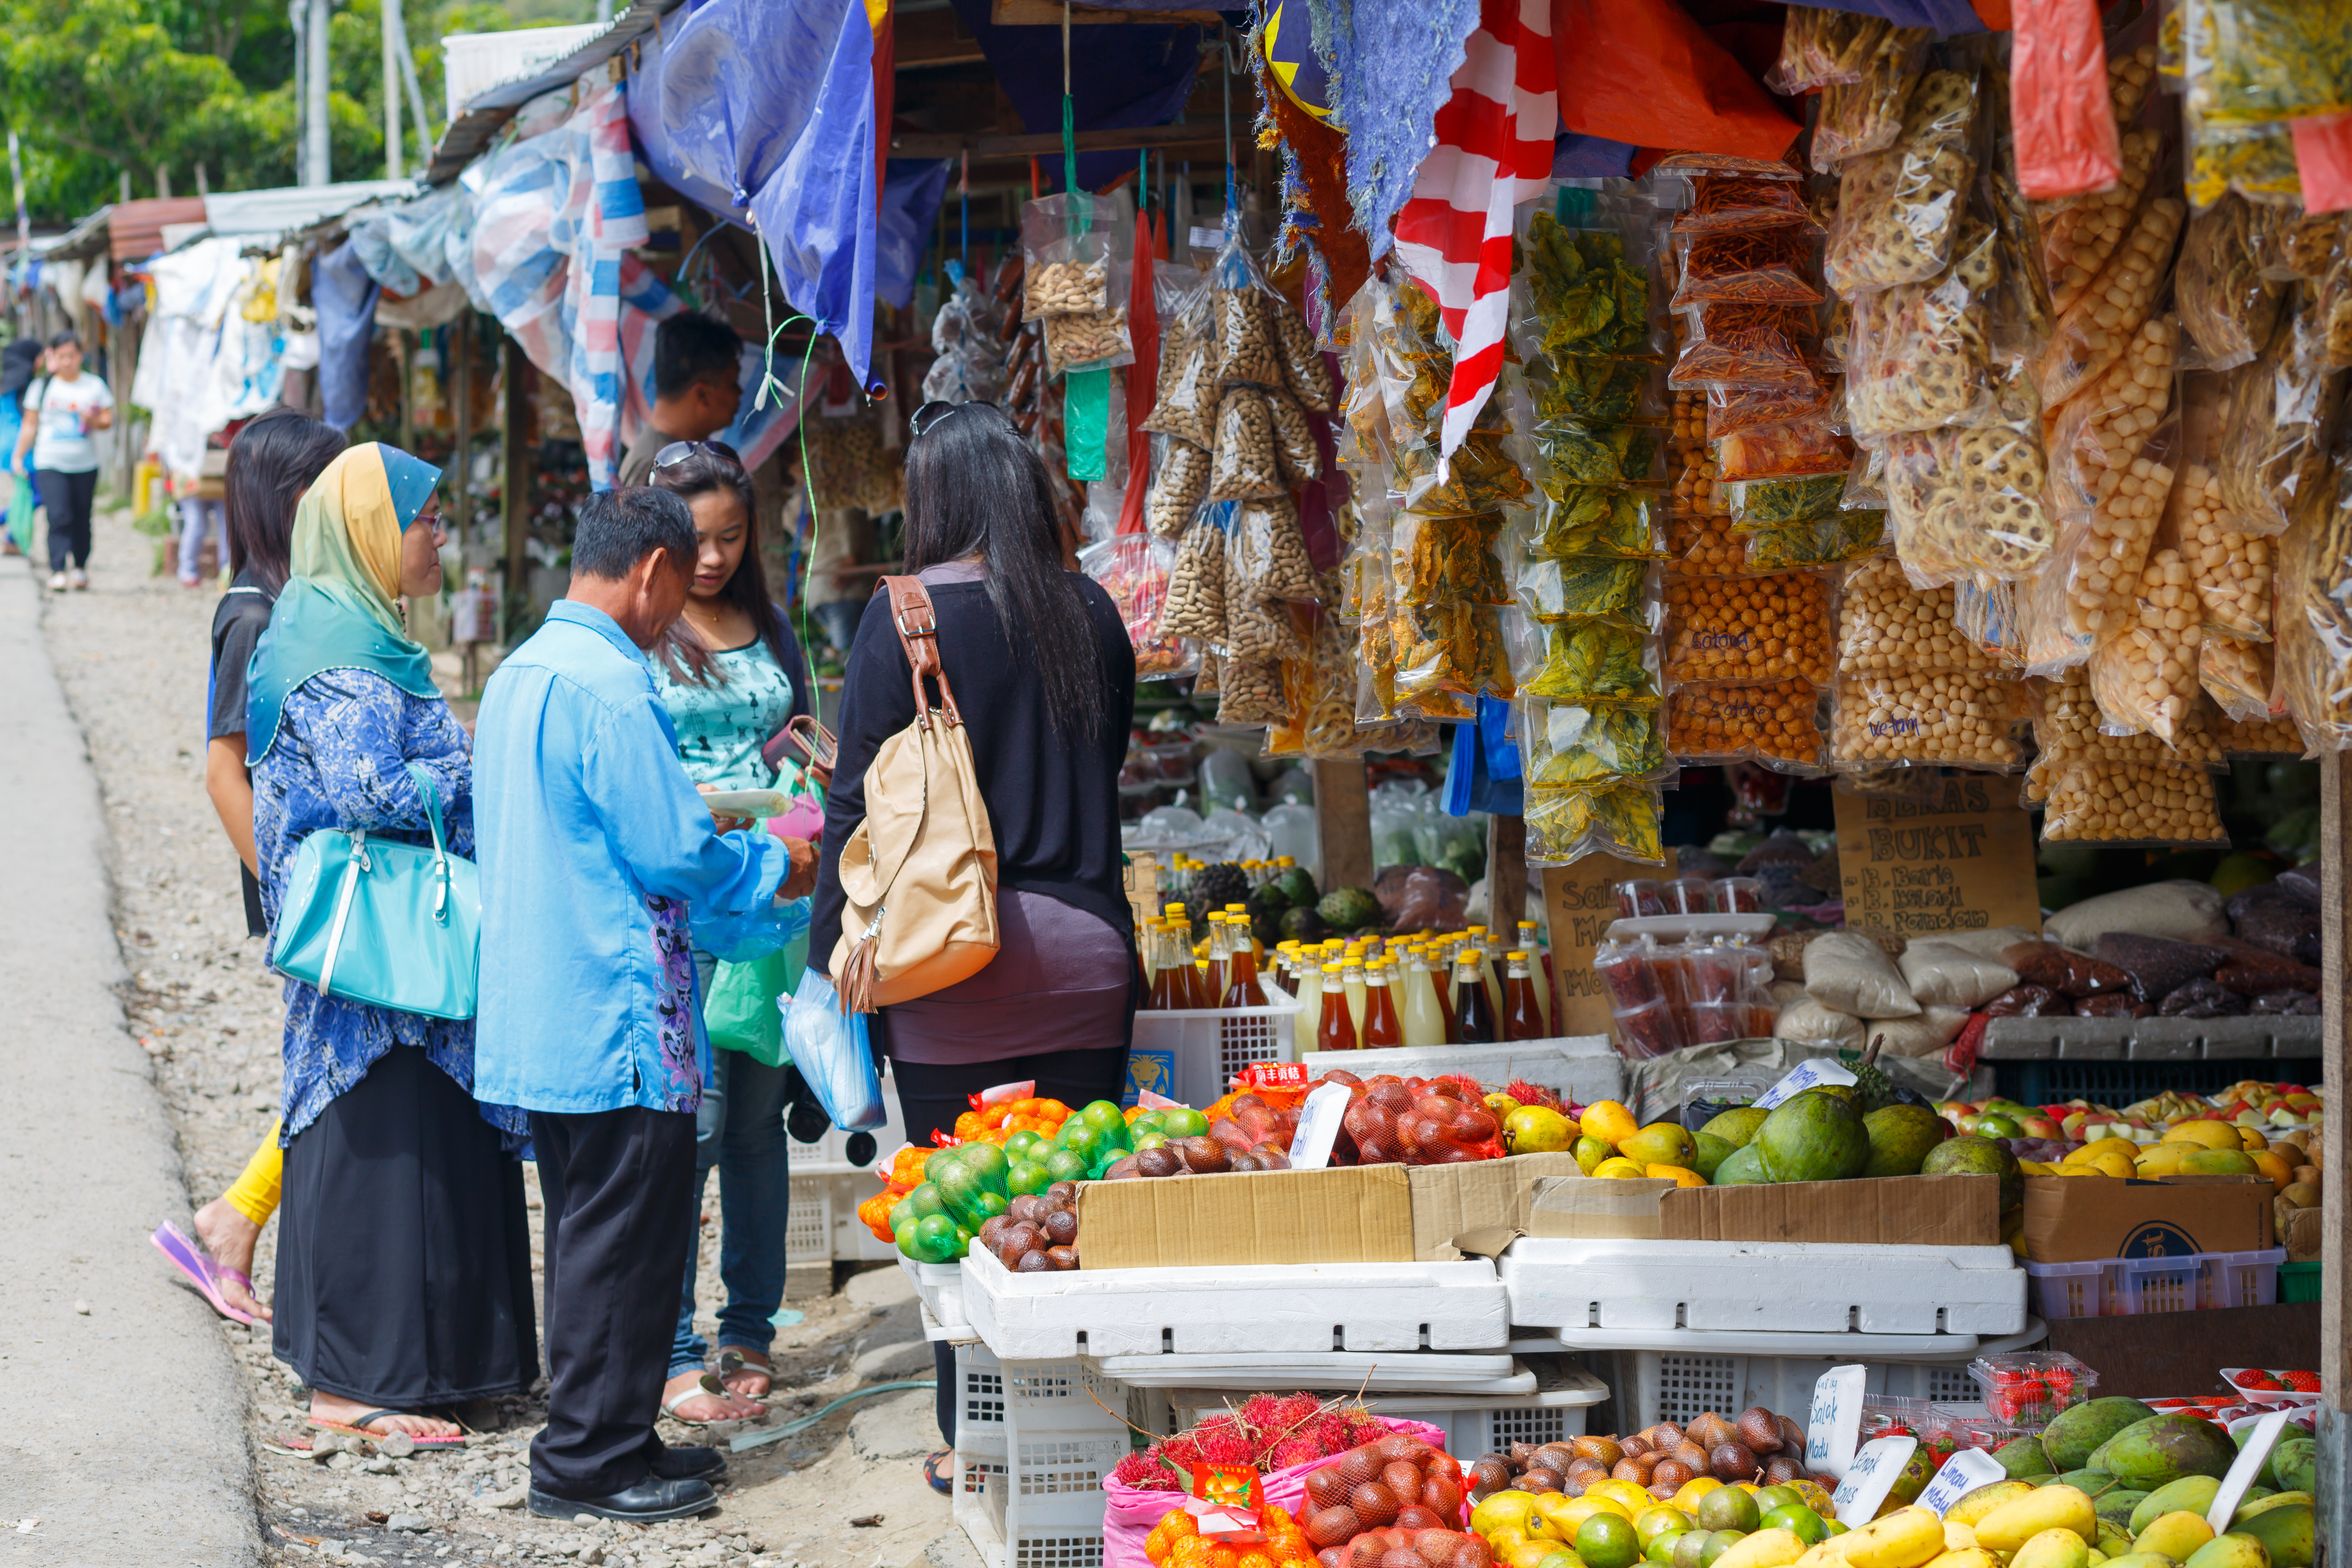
<point x="1302" y="924"/>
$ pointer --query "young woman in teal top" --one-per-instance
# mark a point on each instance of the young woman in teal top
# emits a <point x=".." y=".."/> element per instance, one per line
<point x="732" y="674"/>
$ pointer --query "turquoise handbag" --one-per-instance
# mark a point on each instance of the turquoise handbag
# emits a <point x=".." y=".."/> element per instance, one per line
<point x="389" y="924"/>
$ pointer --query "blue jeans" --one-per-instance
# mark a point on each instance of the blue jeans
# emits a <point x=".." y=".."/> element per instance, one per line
<point x="741" y="1131"/>
<point x="195" y="518"/>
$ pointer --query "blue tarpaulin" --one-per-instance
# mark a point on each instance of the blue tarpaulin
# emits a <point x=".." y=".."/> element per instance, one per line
<point x="1120" y="77"/>
<point x="345" y="297"/>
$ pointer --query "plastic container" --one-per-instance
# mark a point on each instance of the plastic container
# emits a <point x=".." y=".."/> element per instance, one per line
<point x="1689" y="896"/>
<point x="2069" y="1289"/>
<point x="2242" y="1278"/>
<point x="2298" y="1281"/>
<point x="1648" y="1386"/>
<point x="1736" y="895"/>
<point x="1639" y="896"/>
<point x="2266" y="1395"/>
<point x="1191" y="1057"/>
<point x="2031" y="1388"/>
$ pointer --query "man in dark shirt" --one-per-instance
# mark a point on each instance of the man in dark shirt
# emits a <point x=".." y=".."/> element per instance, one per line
<point x="697" y="386"/>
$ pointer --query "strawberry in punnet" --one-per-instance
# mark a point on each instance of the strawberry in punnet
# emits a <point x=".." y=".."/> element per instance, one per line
<point x="2257" y="1379"/>
<point x="2301" y="1382"/>
<point x="2060" y="1385"/>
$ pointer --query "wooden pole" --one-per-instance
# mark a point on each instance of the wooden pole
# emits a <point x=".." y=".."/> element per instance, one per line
<point x="1506" y="876"/>
<point x="516" y="494"/>
<point x="2334" y="1513"/>
<point x="1343" y="821"/>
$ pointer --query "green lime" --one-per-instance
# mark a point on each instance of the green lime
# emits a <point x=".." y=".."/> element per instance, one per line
<point x="1652" y="1523"/>
<point x="987" y="1163"/>
<point x="1065" y="1165"/>
<point x="1150" y="1122"/>
<point x="1150" y="1140"/>
<point x="1799" y="1521"/>
<point x="1769" y="1497"/>
<point x="1719" y="1542"/>
<point x="1019" y="1143"/>
<point x="1082" y="1139"/>
<point x="1605" y="1541"/>
<point x="1561" y="1559"/>
<point x="1832" y="1528"/>
<point x="1027" y="1177"/>
<point x="1104" y="1113"/>
<point x="1728" y="1507"/>
<point x="935" y="1237"/>
<point x="1662" y="1546"/>
<point x="1687" y="1549"/>
<point x="1184" y="1121"/>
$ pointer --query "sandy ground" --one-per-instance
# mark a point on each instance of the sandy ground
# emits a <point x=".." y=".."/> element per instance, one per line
<point x="131" y="653"/>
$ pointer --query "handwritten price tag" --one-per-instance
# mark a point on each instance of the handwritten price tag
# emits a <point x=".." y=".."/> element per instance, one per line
<point x="1963" y="1473"/>
<point x="1834" y="1427"/>
<point x="1870" y="1478"/>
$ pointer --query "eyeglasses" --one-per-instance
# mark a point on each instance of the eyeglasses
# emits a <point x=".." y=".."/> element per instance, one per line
<point x="929" y="415"/>
<point x="679" y="451"/>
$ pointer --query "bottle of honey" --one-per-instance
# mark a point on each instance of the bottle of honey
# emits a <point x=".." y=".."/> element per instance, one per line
<point x="1337" y="1031"/>
<point x="1474" y="1014"/>
<point x="1522" y="1018"/>
<point x="1381" y="1025"/>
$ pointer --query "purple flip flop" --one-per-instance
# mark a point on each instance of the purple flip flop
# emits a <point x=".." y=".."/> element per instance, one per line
<point x="200" y="1270"/>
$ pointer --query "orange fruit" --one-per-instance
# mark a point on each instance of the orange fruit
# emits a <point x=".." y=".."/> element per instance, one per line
<point x="2280" y="1173"/>
<point x="1609" y="1122"/>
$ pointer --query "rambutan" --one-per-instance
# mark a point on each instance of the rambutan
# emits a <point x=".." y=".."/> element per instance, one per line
<point x="1292" y="1411"/>
<point x="1227" y="1448"/>
<point x="1335" y="1432"/>
<point x="1144" y="1472"/>
<point x="1528" y="1093"/>
<point x="1292" y="1451"/>
<point x="1185" y="1449"/>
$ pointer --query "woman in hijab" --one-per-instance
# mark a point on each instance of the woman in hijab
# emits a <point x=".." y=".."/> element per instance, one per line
<point x="403" y="1258"/>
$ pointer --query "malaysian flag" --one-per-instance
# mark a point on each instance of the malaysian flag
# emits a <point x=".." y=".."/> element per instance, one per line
<point x="1492" y="149"/>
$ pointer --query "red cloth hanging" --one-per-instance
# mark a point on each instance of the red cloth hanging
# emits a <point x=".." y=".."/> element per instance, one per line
<point x="1143" y="375"/>
<point x="1643" y="71"/>
<point x="2058" y="102"/>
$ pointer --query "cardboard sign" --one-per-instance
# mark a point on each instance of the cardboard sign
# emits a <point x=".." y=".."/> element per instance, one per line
<point x="1808" y="1074"/>
<point x="1963" y="862"/>
<point x="1870" y="1478"/>
<point x="1142" y="879"/>
<point x="1834" y="1427"/>
<point x="1963" y="1473"/>
<point x="2249" y="1462"/>
<point x="1579" y="902"/>
<point x="1318" y="1127"/>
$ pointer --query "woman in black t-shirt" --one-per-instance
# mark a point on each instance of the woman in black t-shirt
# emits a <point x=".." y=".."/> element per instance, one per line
<point x="272" y="461"/>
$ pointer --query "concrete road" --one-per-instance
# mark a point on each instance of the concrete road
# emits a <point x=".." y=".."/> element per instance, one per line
<point x="121" y="1425"/>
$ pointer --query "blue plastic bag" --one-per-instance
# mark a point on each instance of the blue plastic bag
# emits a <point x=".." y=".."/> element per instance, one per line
<point x="741" y="939"/>
<point x="831" y="1049"/>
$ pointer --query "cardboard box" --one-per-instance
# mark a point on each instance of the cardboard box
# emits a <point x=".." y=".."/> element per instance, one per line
<point x="2074" y="1219"/>
<point x="1886" y="1211"/>
<point x="1364" y="1214"/>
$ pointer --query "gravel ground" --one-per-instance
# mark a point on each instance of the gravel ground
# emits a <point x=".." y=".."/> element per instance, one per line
<point x="132" y="653"/>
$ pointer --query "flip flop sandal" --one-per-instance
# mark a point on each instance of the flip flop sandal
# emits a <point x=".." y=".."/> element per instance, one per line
<point x="709" y="1386"/>
<point x="942" y="1479"/>
<point x="733" y="1359"/>
<point x="202" y="1270"/>
<point x="359" y="1428"/>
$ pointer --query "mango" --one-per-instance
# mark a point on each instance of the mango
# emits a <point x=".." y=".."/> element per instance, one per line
<point x="2286" y="1533"/>
<point x="2096" y="1482"/>
<point x="2091" y="1151"/>
<point x="1967" y="1557"/>
<point x="1659" y="1143"/>
<point x="2210" y="1133"/>
<point x="1709" y="1153"/>
<point x="2164" y="1448"/>
<point x="1763" y="1549"/>
<point x="2255" y="1505"/>
<point x="1744" y="1166"/>
<point x="1958" y="1537"/>
<point x="1900" y="1137"/>
<point x="1738" y="1125"/>
<point x="2175" y="1535"/>
<point x="1973" y="1506"/>
<point x="2219" y="1163"/>
<point x="1971" y="1155"/>
<point x="2193" y="1493"/>
<point x="2052" y="1549"/>
<point x="1815" y="1137"/>
<point x="2113" y="1541"/>
<point x="2142" y="1559"/>
<point x="2296" y="1463"/>
<point x="2022" y="1456"/>
<point x="1908" y="1538"/>
<point x="2117" y="1506"/>
<point x="1824" y="1555"/>
<point x="2068" y="1441"/>
<point x="2231" y="1551"/>
<point x="2162" y="1159"/>
<point x="2052" y="1507"/>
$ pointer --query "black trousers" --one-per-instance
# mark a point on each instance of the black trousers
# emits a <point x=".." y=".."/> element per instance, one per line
<point x="618" y="1186"/>
<point x="67" y="499"/>
<point x="931" y="1096"/>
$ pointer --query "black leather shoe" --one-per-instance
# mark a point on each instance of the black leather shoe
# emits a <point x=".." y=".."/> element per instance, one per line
<point x="687" y="1464"/>
<point x="654" y="1497"/>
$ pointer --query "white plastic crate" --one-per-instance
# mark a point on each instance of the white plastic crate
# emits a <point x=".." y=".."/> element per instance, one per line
<point x="940" y="1287"/>
<point x="1650" y="1387"/>
<point x="1061" y="1398"/>
<point x="1191" y="1057"/>
<point x="2139" y="1285"/>
<point x="994" y="1519"/>
<point x="1473" y="1425"/>
<point x="851" y="1242"/>
<point x="1298" y="1307"/>
<point x="1777" y="1287"/>
<point x="980" y="1402"/>
<point x="808" y="1229"/>
<point x="1582" y="1068"/>
<point x="2241" y="1278"/>
<point x="2069" y="1289"/>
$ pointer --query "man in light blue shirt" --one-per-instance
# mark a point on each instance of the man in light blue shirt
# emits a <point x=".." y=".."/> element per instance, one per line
<point x="592" y="846"/>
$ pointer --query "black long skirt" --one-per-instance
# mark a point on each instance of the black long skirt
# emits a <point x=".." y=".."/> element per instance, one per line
<point x="404" y="1249"/>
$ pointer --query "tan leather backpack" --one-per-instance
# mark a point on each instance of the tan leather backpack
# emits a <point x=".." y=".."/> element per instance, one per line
<point x="918" y="876"/>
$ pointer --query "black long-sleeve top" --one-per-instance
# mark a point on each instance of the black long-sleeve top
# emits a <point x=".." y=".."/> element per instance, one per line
<point x="1052" y="800"/>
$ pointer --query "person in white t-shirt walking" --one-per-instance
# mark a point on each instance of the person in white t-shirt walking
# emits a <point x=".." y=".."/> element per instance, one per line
<point x="61" y="415"/>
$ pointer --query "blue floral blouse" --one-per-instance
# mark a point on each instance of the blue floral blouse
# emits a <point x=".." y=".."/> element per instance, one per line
<point x="339" y="763"/>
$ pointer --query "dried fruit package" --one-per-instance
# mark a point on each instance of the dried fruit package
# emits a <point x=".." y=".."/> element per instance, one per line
<point x="1899" y="211"/>
<point x="2094" y="333"/>
<point x="1586" y="587"/>
<point x="2230" y="309"/>
<point x="1446" y="560"/>
<point x="1582" y="290"/>
<point x="2257" y="60"/>
<point x="1579" y="392"/>
<point x="2278" y="411"/>
<point x="2313" y="632"/>
<point x="1572" y="744"/>
<point x="1748" y="628"/>
<point x="1595" y="661"/>
<point x="1777" y="723"/>
<point x="1564" y="825"/>
<point x="1966" y="502"/>
<point x="1481" y="477"/>
<point x="1822" y="47"/>
<point x="1595" y="520"/>
<point x="1943" y="717"/>
<point x="1135" y="570"/>
<point x="1865" y="115"/>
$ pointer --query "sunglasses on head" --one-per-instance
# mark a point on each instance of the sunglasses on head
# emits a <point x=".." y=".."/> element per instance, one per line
<point x="930" y="415"/>
<point x="679" y="451"/>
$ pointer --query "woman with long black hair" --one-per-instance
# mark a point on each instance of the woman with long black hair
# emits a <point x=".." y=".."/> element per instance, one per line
<point x="1045" y="678"/>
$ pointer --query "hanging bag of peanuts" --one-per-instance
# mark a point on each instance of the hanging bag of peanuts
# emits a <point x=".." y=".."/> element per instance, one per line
<point x="1186" y="407"/>
<point x="1196" y="585"/>
<point x="1076" y="249"/>
<point x="1273" y="552"/>
<point x="1244" y="462"/>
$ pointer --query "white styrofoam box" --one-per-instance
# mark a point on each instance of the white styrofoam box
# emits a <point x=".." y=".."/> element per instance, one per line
<point x="808" y="1228"/>
<point x="997" y="1526"/>
<point x="1192" y="1056"/>
<point x="1298" y="1306"/>
<point x="1582" y="1068"/>
<point x="1648" y="1386"/>
<point x="1421" y="1373"/>
<point x="1474" y="1424"/>
<point x="940" y="1287"/>
<point x="1781" y="1286"/>
<point x="473" y="63"/>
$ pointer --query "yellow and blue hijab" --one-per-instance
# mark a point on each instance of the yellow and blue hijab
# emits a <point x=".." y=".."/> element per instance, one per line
<point x="339" y="608"/>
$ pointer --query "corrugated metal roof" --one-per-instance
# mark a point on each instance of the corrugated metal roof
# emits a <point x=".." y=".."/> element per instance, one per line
<point x="288" y="207"/>
<point x="136" y="228"/>
<point x="471" y="132"/>
<point x="85" y="241"/>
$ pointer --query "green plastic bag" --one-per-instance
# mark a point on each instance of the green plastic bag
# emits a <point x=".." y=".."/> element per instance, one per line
<point x="21" y="504"/>
<point x="740" y="1013"/>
